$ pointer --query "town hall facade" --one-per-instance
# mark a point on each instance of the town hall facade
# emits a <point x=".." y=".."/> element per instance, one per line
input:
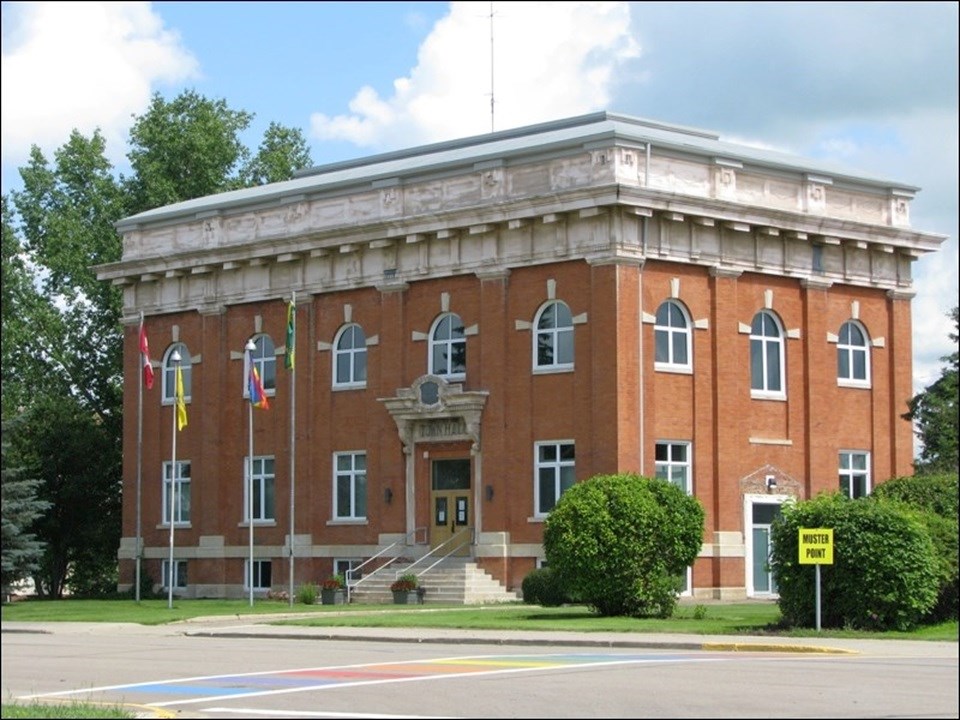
<point x="481" y="323"/>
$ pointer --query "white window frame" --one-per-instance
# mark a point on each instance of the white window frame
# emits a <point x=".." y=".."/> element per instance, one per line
<point x="168" y="388"/>
<point x="449" y="344"/>
<point x="560" y="467"/>
<point x="357" y="477"/>
<point x="258" y="568"/>
<point x="265" y="360"/>
<point x="850" y="350"/>
<point x="343" y="566"/>
<point x="671" y="332"/>
<point x="264" y="486"/>
<point x="181" y="490"/>
<point x="180" y="577"/>
<point x="667" y="469"/>
<point x="766" y="344"/>
<point x="848" y="472"/>
<point x="352" y="353"/>
<point x="554" y="335"/>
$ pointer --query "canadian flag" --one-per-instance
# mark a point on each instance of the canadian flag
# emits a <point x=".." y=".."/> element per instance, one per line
<point x="145" y="357"/>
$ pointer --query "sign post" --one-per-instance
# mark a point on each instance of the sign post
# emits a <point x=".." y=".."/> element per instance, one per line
<point x="816" y="548"/>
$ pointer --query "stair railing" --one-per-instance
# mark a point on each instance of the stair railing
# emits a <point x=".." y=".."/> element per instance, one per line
<point x="352" y="581"/>
<point x="467" y="531"/>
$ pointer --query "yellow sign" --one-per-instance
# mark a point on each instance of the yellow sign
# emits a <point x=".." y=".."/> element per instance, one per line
<point x="816" y="546"/>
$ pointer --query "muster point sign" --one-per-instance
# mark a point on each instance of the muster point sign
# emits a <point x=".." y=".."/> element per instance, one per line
<point x="816" y="546"/>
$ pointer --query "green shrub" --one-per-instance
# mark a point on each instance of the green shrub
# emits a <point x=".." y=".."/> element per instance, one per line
<point x="543" y="587"/>
<point x="621" y="543"/>
<point x="936" y="493"/>
<point x="884" y="572"/>
<point x="936" y="497"/>
<point x="307" y="594"/>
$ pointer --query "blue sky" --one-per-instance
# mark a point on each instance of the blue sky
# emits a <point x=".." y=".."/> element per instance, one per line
<point x="873" y="86"/>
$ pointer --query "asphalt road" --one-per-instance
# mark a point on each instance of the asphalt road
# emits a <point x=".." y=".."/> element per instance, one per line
<point x="239" y="668"/>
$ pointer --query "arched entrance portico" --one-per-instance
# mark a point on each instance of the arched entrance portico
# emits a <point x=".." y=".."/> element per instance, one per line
<point x="439" y="426"/>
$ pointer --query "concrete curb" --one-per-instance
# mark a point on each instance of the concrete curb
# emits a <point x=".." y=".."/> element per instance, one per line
<point x="531" y="641"/>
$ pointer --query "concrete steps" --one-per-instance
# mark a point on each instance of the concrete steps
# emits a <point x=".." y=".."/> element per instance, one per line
<point x="455" y="581"/>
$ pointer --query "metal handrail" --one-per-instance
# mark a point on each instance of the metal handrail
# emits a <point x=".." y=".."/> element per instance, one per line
<point x="348" y="576"/>
<point x="469" y="540"/>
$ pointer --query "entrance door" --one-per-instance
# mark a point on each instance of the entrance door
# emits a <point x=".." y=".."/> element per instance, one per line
<point x="450" y="504"/>
<point x="764" y="582"/>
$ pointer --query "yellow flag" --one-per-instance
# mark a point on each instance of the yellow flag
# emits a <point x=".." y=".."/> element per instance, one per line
<point x="181" y="404"/>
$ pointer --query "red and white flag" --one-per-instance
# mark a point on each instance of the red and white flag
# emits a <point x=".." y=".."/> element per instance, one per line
<point x="145" y="357"/>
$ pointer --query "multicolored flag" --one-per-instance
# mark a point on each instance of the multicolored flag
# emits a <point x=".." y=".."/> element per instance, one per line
<point x="288" y="359"/>
<point x="181" y="402"/>
<point x="145" y="356"/>
<point x="258" y="398"/>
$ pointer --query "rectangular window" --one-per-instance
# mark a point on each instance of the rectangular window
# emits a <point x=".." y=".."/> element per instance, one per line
<point x="555" y="473"/>
<point x="348" y="568"/>
<point x="855" y="473"/>
<point x="179" y="574"/>
<point x="181" y="492"/>
<point x="264" y="481"/>
<point x="673" y="464"/>
<point x="350" y="486"/>
<point x="262" y="574"/>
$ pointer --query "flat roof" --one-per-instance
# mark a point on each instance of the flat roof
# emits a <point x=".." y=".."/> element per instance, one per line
<point x="557" y="136"/>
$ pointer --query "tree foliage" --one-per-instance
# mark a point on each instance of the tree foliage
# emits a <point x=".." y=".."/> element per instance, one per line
<point x="77" y="459"/>
<point x="282" y="152"/>
<point x="934" y="412"/>
<point x="621" y="543"/>
<point x="21" y="506"/>
<point x="62" y="345"/>
<point x="186" y="148"/>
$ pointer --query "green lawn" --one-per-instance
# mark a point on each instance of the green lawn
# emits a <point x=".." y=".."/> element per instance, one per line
<point x="748" y="618"/>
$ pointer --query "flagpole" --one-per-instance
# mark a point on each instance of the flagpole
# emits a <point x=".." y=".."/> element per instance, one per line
<point x="173" y="482"/>
<point x="139" y="454"/>
<point x="293" y="434"/>
<point x="250" y="347"/>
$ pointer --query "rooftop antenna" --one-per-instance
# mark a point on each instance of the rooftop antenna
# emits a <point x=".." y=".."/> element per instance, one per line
<point x="491" y="67"/>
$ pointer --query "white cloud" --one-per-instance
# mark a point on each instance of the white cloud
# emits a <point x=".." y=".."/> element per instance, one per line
<point x="83" y="66"/>
<point x="550" y="60"/>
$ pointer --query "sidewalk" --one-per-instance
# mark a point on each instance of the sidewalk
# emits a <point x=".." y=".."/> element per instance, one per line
<point x="258" y="626"/>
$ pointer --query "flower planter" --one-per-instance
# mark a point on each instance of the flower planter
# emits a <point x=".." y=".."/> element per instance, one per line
<point x="333" y="597"/>
<point x="408" y="597"/>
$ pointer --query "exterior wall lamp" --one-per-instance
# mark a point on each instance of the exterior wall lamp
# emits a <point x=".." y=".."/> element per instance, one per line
<point x="388" y="495"/>
<point x="771" y="483"/>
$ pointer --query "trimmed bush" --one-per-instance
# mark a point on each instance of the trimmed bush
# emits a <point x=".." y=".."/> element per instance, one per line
<point x="621" y="543"/>
<point x="936" y="497"/>
<point x="543" y="587"/>
<point x="884" y="572"/>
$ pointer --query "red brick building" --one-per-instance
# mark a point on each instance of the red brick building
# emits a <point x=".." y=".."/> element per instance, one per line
<point x="482" y="322"/>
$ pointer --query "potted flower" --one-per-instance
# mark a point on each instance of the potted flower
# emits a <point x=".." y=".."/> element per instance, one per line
<point x="406" y="590"/>
<point x="333" y="590"/>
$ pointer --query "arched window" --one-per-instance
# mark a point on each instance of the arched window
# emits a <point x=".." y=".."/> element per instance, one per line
<point x="673" y="337"/>
<point x="766" y="356"/>
<point x="853" y="355"/>
<point x="265" y="360"/>
<point x="448" y="347"/>
<point x="553" y="337"/>
<point x="169" y="388"/>
<point x="350" y="357"/>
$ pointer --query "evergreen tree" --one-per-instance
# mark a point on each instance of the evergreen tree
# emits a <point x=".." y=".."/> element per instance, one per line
<point x="21" y="507"/>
